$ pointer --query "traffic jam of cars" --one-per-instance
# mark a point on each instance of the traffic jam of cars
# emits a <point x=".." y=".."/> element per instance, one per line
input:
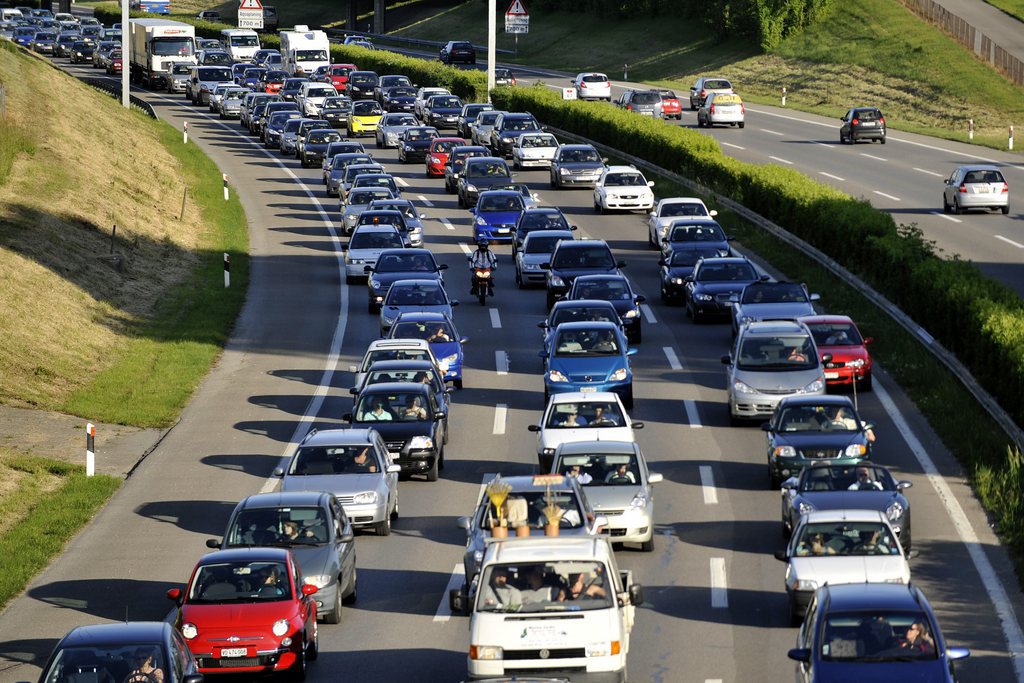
<point x="542" y="548"/>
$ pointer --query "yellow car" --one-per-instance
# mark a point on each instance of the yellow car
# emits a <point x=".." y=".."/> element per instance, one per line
<point x="363" y="118"/>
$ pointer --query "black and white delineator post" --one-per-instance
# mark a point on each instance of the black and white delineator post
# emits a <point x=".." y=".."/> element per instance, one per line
<point x="227" y="270"/>
<point x="225" y="187"/>
<point x="1011" y="139"/>
<point x="186" y="132"/>
<point x="90" y="449"/>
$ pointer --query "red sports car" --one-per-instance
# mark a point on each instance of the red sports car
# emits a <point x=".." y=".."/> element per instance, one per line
<point x="437" y="155"/>
<point x="337" y="75"/>
<point x="247" y="610"/>
<point x="671" y="107"/>
<point x="839" y="336"/>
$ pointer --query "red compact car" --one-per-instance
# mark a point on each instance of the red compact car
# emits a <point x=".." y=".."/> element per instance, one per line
<point x="116" y="63"/>
<point x="337" y="75"/>
<point x="671" y="107"/>
<point x="839" y="336"/>
<point x="437" y="155"/>
<point x="247" y="610"/>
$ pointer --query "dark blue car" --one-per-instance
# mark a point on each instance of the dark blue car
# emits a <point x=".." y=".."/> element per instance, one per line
<point x="496" y="213"/>
<point x="878" y="632"/>
<point x="438" y="330"/>
<point x="616" y="290"/>
<point x="588" y="356"/>
<point x="691" y="232"/>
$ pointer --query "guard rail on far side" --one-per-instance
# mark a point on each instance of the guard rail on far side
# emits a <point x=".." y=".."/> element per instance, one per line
<point x="435" y="45"/>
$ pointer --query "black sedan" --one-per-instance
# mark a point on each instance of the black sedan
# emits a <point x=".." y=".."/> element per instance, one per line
<point x="336" y="110"/>
<point x="82" y="51"/>
<point x="616" y="290"/>
<point x="713" y="282"/>
<point x="689" y="232"/>
<point x="316" y="145"/>
<point x="807" y="429"/>
<point x="574" y="259"/>
<point x="677" y="267"/>
<point x="458" y="51"/>
<point x="399" y="98"/>
<point x="442" y="111"/>
<point x="399" y="264"/>
<point x="414" y="144"/>
<point x="846" y="487"/>
<point x="131" y="650"/>
<point x="540" y="218"/>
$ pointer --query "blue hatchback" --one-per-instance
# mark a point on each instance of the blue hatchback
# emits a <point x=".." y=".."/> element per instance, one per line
<point x="587" y="357"/>
<point x="439" y="331"/>
<point x="497" y="212"/>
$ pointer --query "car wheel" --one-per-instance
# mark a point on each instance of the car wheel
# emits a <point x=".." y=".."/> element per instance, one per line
<point x="905" y="540"/>
<point x="314" y="647"/>
<point x="383" y="528"/>
<point x="298" y="670"/>
<point x="741" y="124"/>
<point x="334" y="615"/>
<point x="432" y="472"/>
<point x="519" y="279"/>
<point x="395" y="513"/>
<point x="462" y="202"/>
<point x="945" y="205"/>
<point x="457" y="383"/>
<point x="648" y="545"/>
<point x="1005" y="209"/>
<point x="882" y="140"/>
<point x="664" y="294"/>
<point x="554" y="185"/>
<point x="627" y="400"/>
<point x="696" y="316"/>
<point x="773" y="480"/>
<point x="353" y="594"/>
<point x="956" y="207"/>
<point x="597" y="207"/>
<point x="864" y="384"/>
<point x="786" y="531"/>
<point x="351" y="279"/>
<point x="795" y="618"/>
<point x="550" y="300"/>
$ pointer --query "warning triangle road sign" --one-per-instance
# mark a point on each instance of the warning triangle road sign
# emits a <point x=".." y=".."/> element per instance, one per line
<point x="250" y="4"/>
<point x="516" y="9"/>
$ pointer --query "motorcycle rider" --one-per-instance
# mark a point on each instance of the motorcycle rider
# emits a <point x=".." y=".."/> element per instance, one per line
<point x="483" y="258"/>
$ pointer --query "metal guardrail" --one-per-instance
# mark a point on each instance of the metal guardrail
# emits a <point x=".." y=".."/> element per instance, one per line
<point x="991" y="406"/>
<point x="411" y="42"/>
<point x="114" y="89"/>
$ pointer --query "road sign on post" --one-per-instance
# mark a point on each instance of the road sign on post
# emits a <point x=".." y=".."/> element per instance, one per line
<point x="517" y="20"/>
<point x="250" y="14"/>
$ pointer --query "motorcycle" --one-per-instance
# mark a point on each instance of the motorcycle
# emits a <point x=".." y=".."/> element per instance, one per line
<point x="482" y="284"/>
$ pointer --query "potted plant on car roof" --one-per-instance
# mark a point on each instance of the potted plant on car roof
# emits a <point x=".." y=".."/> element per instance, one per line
<point x="552" y="512"/>
<point x="497" y="491"/>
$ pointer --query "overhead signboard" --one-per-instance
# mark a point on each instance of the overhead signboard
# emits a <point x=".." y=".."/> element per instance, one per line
<point x="517" y="20"/>
<point x="250" y="14"/>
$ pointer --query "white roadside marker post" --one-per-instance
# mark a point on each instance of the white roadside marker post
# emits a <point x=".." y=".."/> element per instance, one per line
<point x="90" y="449"/>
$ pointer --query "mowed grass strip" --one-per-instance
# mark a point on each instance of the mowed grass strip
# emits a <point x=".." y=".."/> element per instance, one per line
<point x="1015" y="8"/>
<point x="43" y="504"/>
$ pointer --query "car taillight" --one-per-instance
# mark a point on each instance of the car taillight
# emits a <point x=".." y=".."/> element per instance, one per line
<point x="854" y="122"/>
<point x="743" y="109"/>
<point x="583" y="84"/>
<point x="1006" y="188"/>
<point x="881" y="120"/>
<point x="712" y="108"/>
<point x="629" y="107"/>
<point x="962" y="188"/>
<point x="703" y="93"/>
<point x="513" y="81"/>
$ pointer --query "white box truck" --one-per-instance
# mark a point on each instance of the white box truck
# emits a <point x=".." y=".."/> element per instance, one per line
<point x="304" y="51"/>
<point x="241" y="43"/>
<point x="154" y="45"/>
<point x="550" y="607"/>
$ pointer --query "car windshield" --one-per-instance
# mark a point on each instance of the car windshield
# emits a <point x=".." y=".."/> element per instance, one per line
<point x="533" y="141"/>
<point x="567" y="314"/>
<point x="394" y="354"/>
<point x="401" y="91"/>
<point x="784" y="352"/>
<point x="602" y="469"/>
<point x="364" y="239"/>
<point x="583" y="414"/>
<point x="500" y="202"/>
<point x="332" y="103"/>
<point x="624" y="180"/>
<point x="595" y="78"/>
<point x="682" y="209"/>
<point x="487" y="118"/>
<point x="254" y="73"/>
<point x="487" y="169"/>
<point x="443" y="146"/>
<point x="862" y="477"/>
<point x="400" y="120"/>
<point x="322" y="137"/>
<point x="240" y="582"/>
<point x="570" y="586"/>
<point x="446" y="102"/>
<point x="275" y="76"/>
<point x="652" y="97"/>
<point x="318" y="460"/>
<point x="362" y="197"/>
<point x="439" y="331"/>
<point x="284" y="526"/>
<point x="244" y="41"/>
<point x="543" y="220"/>
<point x="366" y="108"/>
<point x="310" y="55"/>
<point x="725" y="272"/>
<point x="387" y="407"/>
<point x="700" y="232"/>
<point x="375" y="181"/>
<point x="416" y="295"/>
<point x="983" y="176"/>
<point x="836" y="334"/>
<point x="170" y="47"/>
<point x="395" y="263"/>
<point x="846" y="538"/>
<point x="818" y="418"/>
<point x="544" y="244"/>
<point x="379" y="216"/>
<point x="577" y="342"/>
<point x="420" y="134"/>
<point x="215" y="74"/>
<point x="322" y="91"/>
<point x="418" y="376"/>
<point x="361" y="79"/>
<point x="103" y="662"/>
<point x="605" y="290"/>
<point x="579" y="156"/>
<point x="403" y="207"/>
<point x="527" y="508"/>
<point x="292" y="126"/>
<point x="587" y="257"/>
<point x="877" y="636"/>
<point x="689" y="257"/>
<point x="217" y="58"/>
<point x="717" y="84"/>
<point x="774" y="293"/>
<point x="667" y="95"/>
<point x="294" y="83"/>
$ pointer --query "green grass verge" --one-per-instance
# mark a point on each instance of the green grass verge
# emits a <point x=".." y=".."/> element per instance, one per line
<point x="1015" y="8"/>
<point x="167" y="356"/>
<point x="49" y="518"/>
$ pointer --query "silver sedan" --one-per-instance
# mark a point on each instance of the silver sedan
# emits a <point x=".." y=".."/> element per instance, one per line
<point x="976" y="187"/>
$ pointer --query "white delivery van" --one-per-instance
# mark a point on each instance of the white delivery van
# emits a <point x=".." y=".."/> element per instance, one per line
<point x="10" y="14"/>
<point x="550" y="607"/>
<point x="304" y="51"/>
<point x="241" y="43"/>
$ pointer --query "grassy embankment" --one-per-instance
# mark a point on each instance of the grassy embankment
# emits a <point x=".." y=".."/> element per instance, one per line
<point x="1015" y="8"/>
<point x="866" y="51"/>
<point x="116" y="329"/>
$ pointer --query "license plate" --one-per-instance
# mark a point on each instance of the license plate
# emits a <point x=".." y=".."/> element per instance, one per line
<point x="867" y="124"/>
<point x="234" y="652"/>
<point x="831" y="375"/>
<point x="502" y="231"/>
<point x="588" y="390"/>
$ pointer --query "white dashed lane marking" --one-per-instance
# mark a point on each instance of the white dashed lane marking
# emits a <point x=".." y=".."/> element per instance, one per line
<point x="719" y="585"/>
<point x="887" y="196"/>
<point x="673" y="359"/>
<point x="833" y="177"/>
<point x="707" y="485"/>
<point x="781" y="160"/>
<point x="648" y="314"/>
<point x="691" y="413"/>
<point x="772" y="132"/>
<point x="500" y="415"/>
<point x="872" y="156"/>
<point x="729" y="144"/>
<point x="495" y="319"/>
<point x="931" y="173"/>
<point x="426" y="202"/>
<point x="1009" y="241"/>
<point x="948" y="218"/>
<point x="501" y="362"/>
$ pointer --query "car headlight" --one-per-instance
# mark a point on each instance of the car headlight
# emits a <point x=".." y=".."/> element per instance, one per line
<point x="744" y="319"/>
<point x="531" y="266"/>
<point x="318" y="580"/>
<point x="450" y="359"/>
<point x="619" y="375"/>
<point x="421" y="442"/>
<point x="486" y="652"/>
<point x="784" y="452"/>
<point x="374" y="284"/>
<point x="599" y="649"/>
<point x="704" y="297"/>
<point x="189" y="631"/>
<point x="365" y="498"/>
<point x="480" y="220"/>
<point x="894" y="511"/>
<point x="357" y="262"/>
<point x="805" y="585"/>
<point x="741" y="387"/>
<point x="280" y="627"/>
<point x="639" y="502"/>
<point x="556" y="376"/>
<point x="557" y="281"/>
<point x="408" y="148"/>
<point x="563" y="171"/>
<point x="470" y="187"/>
<point x="856" y="450"/>
<point x="632" y="313"/>
<point x="814" y="387"/>
<point x="506" y="140"/>
<point x="676" y="280"/>
<point x="434" y="159"/>
<point x="388" y="320"/>
<point x="805" y="508"/>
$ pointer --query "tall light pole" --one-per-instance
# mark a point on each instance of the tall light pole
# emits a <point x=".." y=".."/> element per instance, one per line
<point x="126" y="59"/>
<point x="492" y="33"/>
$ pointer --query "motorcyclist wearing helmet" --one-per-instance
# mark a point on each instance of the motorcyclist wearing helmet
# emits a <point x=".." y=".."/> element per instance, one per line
<point x="483" y="258"/>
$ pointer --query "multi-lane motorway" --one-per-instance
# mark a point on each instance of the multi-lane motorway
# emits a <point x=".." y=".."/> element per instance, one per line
<point x="716" y="609"/>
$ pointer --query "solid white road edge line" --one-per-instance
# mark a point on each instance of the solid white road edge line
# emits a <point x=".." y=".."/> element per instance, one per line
<point x="444" y="610"/>
<point x="707" y="485"/>
<point x="501" y="362"/>
<point x="673" y="359"/>
<point x="719" y="586"/>
<point x="500" y="416"/>
<point x="692" y="416"/>
<point x="648" y="314"/>
<point x="989" y="579"/>
<point x="1009" y="241"/>
<point x="495" y="319"/>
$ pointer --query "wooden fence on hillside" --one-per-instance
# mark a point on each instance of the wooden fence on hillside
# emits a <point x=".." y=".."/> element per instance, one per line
<point x="969" y="37"/>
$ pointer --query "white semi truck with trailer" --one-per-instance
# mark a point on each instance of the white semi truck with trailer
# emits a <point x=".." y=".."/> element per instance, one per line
<point x="154" y="44"/>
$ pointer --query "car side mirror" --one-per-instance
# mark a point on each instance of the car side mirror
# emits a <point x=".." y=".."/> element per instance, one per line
<point x="636" y="594"/>
<point x="543" y="324"/>
<point x="631" y="351"/>
<point x="901" y="485"/>
<point x="533" y="428"/>
<point x="868" y="340"/>
<point x="913" y="554"/>
<point x="826" y="358"/>
<point x="423" y="216"/>
<point x="604" y="160"/>
<point x="688" y="278"/>
<point x="869" y="425"/>
<point x="639" y="299"/>
<point x="729" y="238"/>
<point x="574" y="227"/>
<point x="790" y="484"/>
<point x="344" y="247"/>
<point x="472" y="209"/>
<point x="458" y="602"/>
<point x="309" y="589"/>
<point x="815" y="297"/>
<point x="766" y="426"/>
<point x="367" y="269"/>
<point x="542" y="354"/>
<point x="453" y="303"/>
<point x="347" y="417"/>
<point x="545" y="266"/>
<point x="650" y="183"/>
<point x="955" y="653"/>
<point x="764" y="278"/>
<point x="662" y="262"/>
<point x="637" y="425"/>
<point x="346" y="537"/>
<point x="620" y="264"/>
<point x="726" y="360"/>
<point x="734" y="298"/>
<point x="212" y="543"/>
<point x="193" y="678"/>
<point x="655" y="477"/>
<point x="799" y="654"/>
<point x="713" y="212"/>
<point x="782" y="555"/>
<point x="174" y="595"/>
<point x="463" y="523"/>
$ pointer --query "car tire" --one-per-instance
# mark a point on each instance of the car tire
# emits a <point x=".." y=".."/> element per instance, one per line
<point x="648" y="545"/>
<point x="1005" y="209"/>
<point x="773" y="481"/>
<point x="395" y="512"/>
<point x="519" y="279"/>
<point x="334" y="615"/>
<point x="786" y="531"/>
<point x="906" y="541"/>
<point x="956" y="207"/>
<point x="432" y="472"/>
<point x="350" y="280"/>
<point x="298" y="670"/>
<point x="457" y="383"/>
<point x="627" y="400"/>
<point x="696" y="316"/>
<point x="314" y="647"/>
<point x="882" y="140"/>
<point x="795" y="618"/>
<point x="598" y="208"/>
<point x="554" y="185"/>
<point x="462" y="202"/>
<point x="383" y="528"/>
<point x="945" y="205"/>
<point x="741" y="124"/>
<point x="353" y="595"/>
<point x="864" y="384"/>
<point x="664" y="294"/>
